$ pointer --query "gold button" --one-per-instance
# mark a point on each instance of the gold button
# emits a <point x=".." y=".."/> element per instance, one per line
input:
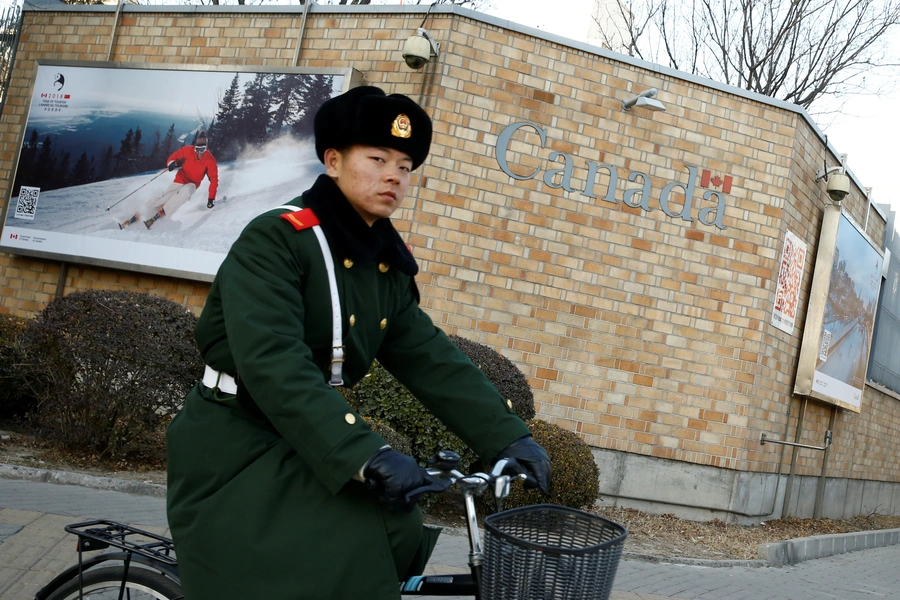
<point x="383" y="267"/>
<point x="350" y="418"/>
<point x="348" y="263"/>
<point x="352" y="320"/>
<point x="383" y="323"/>
<point x="509" y="404"/>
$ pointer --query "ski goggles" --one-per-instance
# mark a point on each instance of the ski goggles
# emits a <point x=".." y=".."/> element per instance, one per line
<point x="200" y="149"/>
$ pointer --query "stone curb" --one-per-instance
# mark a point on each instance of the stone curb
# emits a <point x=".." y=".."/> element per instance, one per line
<point x="696" y="562"/>
<point x="798" y="550"/>
<point x="92" y="481"/>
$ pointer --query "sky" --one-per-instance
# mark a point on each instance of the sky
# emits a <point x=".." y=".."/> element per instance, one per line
<point x="867" y="130"/>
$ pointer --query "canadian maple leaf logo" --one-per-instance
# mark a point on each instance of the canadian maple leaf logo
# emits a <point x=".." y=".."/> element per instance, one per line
<point x="706" y="179"/>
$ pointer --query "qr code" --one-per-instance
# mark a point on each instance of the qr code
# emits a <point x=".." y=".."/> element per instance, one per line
<point x="826" y="343"/>
<point x="27" y="204"/>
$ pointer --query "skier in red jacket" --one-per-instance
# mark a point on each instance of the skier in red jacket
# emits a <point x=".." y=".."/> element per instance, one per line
<point x="193" y="164"/>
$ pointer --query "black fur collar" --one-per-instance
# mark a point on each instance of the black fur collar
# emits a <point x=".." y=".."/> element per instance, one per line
<point x="343" y="226"/>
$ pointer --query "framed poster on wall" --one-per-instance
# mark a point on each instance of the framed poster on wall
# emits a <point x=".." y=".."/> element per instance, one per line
<point x="841" y="314"/>
<point x="91" y="172"/>
<point x="787" y="289"/>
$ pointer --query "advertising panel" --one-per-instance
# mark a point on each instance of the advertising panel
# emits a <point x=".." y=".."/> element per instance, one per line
<point x="790" y="276"/>
<point x="112" y="168"/>
<point x="838" y="337"/>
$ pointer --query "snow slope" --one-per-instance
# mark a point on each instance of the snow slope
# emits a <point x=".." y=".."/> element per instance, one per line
<point x="248" y="186"/>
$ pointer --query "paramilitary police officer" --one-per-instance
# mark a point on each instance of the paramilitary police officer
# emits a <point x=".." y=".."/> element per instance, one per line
<point x="277" y="488"/>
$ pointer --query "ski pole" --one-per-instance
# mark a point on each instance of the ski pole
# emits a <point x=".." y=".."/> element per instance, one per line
<point x="137" y="190"/>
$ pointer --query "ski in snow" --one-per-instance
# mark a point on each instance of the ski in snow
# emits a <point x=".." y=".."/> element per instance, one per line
<point x="149" y="222"/>
<point x="125" y="224"/>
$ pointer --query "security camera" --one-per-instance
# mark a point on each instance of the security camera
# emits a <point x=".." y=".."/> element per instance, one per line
<point x="418" y="49"/>
<point x="838" y="187"/>
<point x="414" y="60"/>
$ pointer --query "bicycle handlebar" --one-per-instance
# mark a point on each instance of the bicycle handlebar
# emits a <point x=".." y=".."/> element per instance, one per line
<point x="443" y="473"/>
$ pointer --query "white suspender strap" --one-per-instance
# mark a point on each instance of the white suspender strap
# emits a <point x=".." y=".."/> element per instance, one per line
<point x="337" y="337"/>
<point x="337" y="347"/>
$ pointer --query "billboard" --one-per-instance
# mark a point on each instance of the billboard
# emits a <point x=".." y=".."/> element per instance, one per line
<point x="790" y="276"/>
<point x="91" y="182"/>
<point x="841" y="316"/>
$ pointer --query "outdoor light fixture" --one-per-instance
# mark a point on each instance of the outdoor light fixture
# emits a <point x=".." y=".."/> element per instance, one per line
<point x="837" y="179"/>
<point x="419" y="49"/>
<point x="644" y="100"/>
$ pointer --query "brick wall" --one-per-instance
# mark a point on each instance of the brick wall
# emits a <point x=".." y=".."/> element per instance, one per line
<point x="641" y="332"/>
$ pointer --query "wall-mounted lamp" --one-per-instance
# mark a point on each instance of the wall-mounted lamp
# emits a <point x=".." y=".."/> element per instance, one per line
<point x="419" y="49"/>
<point x="644" y="100"/>
<point x="838" y="182"/>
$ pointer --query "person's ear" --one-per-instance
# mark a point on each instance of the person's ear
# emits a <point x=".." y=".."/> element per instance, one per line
<point x="332" y="159"/>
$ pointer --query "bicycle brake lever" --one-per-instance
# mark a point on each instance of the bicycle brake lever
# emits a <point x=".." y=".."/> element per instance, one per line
<point x="501" y="486"/>
<point x="501" y="489"/>
<point x="435" y="487"/>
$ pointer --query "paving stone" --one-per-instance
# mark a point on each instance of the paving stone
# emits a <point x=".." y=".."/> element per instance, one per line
<point x="41" y="548"/>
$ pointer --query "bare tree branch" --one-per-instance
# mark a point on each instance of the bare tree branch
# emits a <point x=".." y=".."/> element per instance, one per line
<point x="793" y="50"/>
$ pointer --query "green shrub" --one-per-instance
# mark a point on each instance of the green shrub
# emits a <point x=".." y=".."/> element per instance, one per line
<point x="575" y="474"/>
<point x="15" y="400"/>
<point x="109" y="369"/>
<point x="503" y="374"/>
<point x="396" y="441"/>
<point x="381" y="396"/>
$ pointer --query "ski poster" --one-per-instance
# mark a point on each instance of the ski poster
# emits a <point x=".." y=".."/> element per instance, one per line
<point x="92" y="182"/>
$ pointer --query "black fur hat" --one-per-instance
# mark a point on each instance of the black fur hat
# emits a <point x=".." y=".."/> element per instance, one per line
<point x="365" y="115"/>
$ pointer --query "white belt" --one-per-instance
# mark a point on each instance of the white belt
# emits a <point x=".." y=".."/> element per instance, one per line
<point x="216" y="380"/>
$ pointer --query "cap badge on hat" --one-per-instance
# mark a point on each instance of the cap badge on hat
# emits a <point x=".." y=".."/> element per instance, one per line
<point x="401" y="127"/>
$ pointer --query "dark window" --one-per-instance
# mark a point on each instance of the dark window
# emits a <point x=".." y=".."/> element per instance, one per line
<point x="884" y="361"/>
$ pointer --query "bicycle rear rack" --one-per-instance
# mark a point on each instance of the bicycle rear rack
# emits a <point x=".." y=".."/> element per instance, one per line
<point x="101" y="534"/>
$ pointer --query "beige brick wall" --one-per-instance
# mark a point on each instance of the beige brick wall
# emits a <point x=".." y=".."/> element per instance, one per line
<point x="640" y="332"/>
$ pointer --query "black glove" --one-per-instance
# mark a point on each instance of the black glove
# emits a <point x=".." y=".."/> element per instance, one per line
<point x="532" y="460"/>
<point x="176" y="164"/>
<point x="392" y="474"/>
<point x="210" y="203"/>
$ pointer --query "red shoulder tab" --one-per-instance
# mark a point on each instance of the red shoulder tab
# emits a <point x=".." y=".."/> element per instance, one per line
<point x="301" y="219"/>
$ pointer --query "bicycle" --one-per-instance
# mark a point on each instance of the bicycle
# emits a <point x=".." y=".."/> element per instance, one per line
<point x="539" y="552"/>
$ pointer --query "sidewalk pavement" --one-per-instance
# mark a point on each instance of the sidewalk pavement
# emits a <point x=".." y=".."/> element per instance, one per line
<point x="34" y="547"/>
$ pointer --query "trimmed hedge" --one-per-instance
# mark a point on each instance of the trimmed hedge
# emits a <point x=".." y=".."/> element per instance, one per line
<point x="15" y="400"/>
<point x="108" y="369"/>
<point x="381" y="396"/>
<point x="396" y="441"/>
<point x="502" y="373"/>
<point x="575" y="480"/>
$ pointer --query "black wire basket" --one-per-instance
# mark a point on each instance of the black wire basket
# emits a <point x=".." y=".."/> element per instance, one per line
<point x="546" y="552"/>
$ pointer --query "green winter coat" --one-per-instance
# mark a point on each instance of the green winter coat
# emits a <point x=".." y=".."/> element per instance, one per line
<point x="261" y="500"/>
